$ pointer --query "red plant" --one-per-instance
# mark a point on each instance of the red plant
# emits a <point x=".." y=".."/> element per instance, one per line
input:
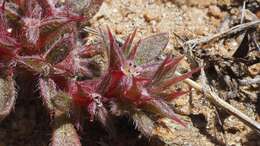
<point x="37" y="40"/>
<point x="40" y="39"/>
<point x="132" y="87"/>
<point x="142" y="85"/>
<point x="85" y="94"/>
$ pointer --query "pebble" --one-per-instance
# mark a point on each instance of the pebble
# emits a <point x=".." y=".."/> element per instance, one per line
<point x="149" y="16"/>
<point x="216" y="22"/>
<point x="119" y="29"/>
<point x="215" y="11"/>
<point x="197" y="3"/>
<point x="224" y="2"/>
<point x="254" y="69"/>
<point x="258" y="14"/>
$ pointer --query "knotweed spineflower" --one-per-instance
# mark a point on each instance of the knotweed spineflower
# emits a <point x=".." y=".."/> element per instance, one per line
<point x="140" y="86"/>
<point x="39" y="40"/>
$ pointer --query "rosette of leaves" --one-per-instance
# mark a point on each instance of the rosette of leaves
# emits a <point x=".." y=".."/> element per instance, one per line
<point x="137" y="86"/>
<point x="131" y="87"/>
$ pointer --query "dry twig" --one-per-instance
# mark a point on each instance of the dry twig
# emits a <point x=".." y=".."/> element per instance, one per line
<point x="255" y="80"/>
<point x="213" y="97"/>
<point x="232" y="30"/>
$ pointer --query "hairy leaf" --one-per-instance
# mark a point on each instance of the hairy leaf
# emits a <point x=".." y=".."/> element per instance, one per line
<point x="160" y="107"/>
<point x="7" y="95"/>
<point x="62" y="101"/>
<point x="150" y="47"/>
<point x="169" y="65"/>
<point x="64" y="133"/>
<point x="116" y="57"/>
<point x="143" y="123"/>
<point x="105" y="119"/>
<point x="174" y="80"/>
<point x="48" y="91"/>
<point x="32" y="22"/>
<point x="60" y="49"/>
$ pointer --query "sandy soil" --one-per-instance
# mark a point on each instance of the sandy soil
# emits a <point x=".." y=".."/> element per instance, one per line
<point x="187" y="18"/>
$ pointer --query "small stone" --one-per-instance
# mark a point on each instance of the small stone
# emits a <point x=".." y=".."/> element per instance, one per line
<point x="119" y="29"/>
<point x="200" y="3"/>
<point x="254" y="69"/>
<point x="154" y="27"/>
<point x="231" y="45"/>
<point x="215" y="22"/>
<point x="258" y="14"/>
<point x="149" y="16"/>
<point x="224" y="2"/>
<point x="215" y="12"/>
<point x="235" y="11"/>
<point x="115" y="10"/>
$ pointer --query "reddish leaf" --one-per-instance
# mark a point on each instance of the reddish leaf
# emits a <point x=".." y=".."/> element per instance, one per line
<point x="89" y="51"/>
<point x="48" y="7"/>
<point x="8" y="44"/>
<point x="60" y="49"/>
<point x="164" y="109"/>
<point x="174" y="95"/>
<point x="148" y="70"/>
<point x="128" y="43"/>
<point x="136" y="92"/>
<point x="168" y="65"/>
<point x="174" y="80"/>
<point x="133" y="51"/>
<point x="116" y="57"/>
<point x="32" y="22"/>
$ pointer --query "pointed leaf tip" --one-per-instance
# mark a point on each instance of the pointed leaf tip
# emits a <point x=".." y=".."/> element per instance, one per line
<point x="133" y="51"/>
<point x="177" y="79"/>
<point x="116" y="56"/>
